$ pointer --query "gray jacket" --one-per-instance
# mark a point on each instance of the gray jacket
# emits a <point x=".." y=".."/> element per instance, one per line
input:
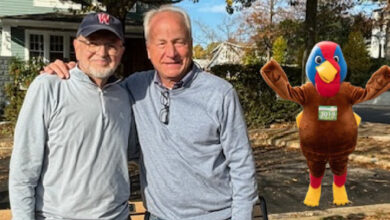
<point x="70" y="151"/>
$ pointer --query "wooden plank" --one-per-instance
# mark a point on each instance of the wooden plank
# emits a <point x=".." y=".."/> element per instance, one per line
<point x="257" y="214"/>
<point x="5" y="214"/>
<point x="137" y="210"/>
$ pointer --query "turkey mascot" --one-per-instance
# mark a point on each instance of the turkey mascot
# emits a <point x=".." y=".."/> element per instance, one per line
<point x="327" y="125"/>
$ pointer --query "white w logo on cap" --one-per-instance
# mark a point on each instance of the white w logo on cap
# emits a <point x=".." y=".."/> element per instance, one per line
<point x="104" y="18"/>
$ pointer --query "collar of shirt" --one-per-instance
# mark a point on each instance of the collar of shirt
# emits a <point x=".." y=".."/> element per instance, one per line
<point x="182" y="83"/>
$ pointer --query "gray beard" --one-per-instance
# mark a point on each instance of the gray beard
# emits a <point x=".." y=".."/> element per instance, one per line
<point x="101" y="73"/>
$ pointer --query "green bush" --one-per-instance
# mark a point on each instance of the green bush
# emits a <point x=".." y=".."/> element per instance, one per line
<point x="279" y="49"/>
<point x="376" y="64"/>
<point x="357" y="58"/>
<point x="22" y="74"/>
<point x="259" y="102"/>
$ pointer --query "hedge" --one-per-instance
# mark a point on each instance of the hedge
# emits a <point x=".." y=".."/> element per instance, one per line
<point x="260" y="104"/>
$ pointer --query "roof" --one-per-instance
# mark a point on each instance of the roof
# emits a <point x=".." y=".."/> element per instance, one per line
<point x="227" y="53"/>
<point x="64" y="17"/>
<point x="202" y="62"/>
<point x="65" y="22"/>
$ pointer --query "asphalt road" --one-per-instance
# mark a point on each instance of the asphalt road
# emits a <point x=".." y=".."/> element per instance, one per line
<point x="370" y="113"/>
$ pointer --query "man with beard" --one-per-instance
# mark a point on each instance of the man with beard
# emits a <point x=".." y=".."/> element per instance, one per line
<point x="71" y="140"/>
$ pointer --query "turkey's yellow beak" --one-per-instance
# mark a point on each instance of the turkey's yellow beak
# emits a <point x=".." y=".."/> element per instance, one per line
<point x="326" y="71"/>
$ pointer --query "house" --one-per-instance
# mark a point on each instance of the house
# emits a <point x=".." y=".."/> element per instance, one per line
<point x="227" y="53"/>
<point x="202" y="63"/>
<point x="380" y="34"/>
<point x="380" y="19"/>
<point x="46" y="28"/>
<point x="380" y="48"/>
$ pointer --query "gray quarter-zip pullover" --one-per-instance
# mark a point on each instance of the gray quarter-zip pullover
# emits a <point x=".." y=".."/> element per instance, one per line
<point x="196" y="161"/>
<point x="70" y="151"/>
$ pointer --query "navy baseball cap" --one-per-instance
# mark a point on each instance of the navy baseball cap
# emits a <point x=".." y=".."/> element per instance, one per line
<point x="100" y="21"/>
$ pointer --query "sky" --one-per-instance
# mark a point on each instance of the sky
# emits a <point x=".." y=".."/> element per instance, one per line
<point x="209" y="12"/>
<point x="213" y="12"/>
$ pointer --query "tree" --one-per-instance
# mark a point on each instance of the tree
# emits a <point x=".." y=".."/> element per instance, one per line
<point x="199" y="52"/>
<point x="251" y="57"/>
<point x="227" y="30"/>
<point x="332" y="20"/>
<point x="357" y="58"/>
<point x="279" y="49"/>
<point x="120" y="8"/>
<point x="210" y="48"/>
<point x="310" y="31"/>
<point x="363" y="24"/>
<point x="261" y="21"/>
<point x="206" y="34"/>
<point x="117" y="8"/>
<point x="292" y="31"/>
<point x="327" y="20"/>
<point x="22" y="73"/>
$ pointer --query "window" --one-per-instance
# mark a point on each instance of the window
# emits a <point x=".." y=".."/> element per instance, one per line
<point x="36" y="45"/>
<point x="56" y="47"/>
<point x="50" y="45"/>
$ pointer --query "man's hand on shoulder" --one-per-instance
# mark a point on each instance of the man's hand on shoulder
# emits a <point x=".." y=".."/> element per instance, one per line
<point x="59" y="68"/>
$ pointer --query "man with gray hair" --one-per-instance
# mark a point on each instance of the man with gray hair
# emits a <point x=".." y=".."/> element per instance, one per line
<point x="196" y="160"/>
<point x="70" y="153"/>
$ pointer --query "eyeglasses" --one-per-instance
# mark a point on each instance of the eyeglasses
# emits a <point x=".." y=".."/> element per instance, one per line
<point x="93" y="46"/>
<point x="164" y="112"/>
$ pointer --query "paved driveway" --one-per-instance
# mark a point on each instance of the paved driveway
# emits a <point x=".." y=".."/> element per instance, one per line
<point x="373" y="113"/>
<point x="375" y="110"/>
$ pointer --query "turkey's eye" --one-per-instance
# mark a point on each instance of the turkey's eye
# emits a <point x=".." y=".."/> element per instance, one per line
<point x="318" y="60"/>
<point x="336" y="58"/>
